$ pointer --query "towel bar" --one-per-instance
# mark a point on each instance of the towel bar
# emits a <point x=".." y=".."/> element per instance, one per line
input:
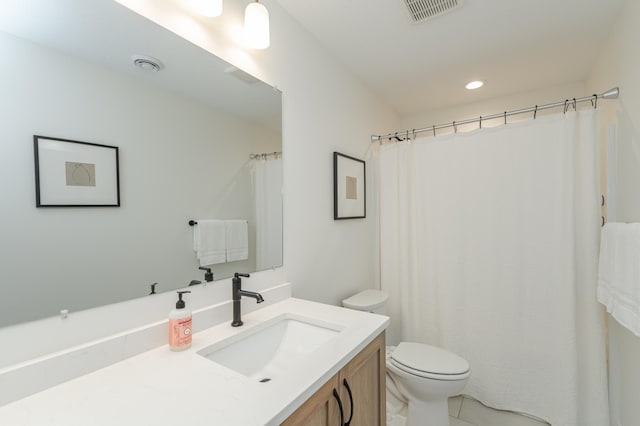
<point x="193" y="222"/>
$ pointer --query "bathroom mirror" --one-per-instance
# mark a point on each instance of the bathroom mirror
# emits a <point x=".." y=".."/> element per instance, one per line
<point x="187" y="137"/>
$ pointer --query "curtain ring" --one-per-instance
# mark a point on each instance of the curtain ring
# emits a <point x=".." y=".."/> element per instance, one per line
<point x="406" y="137"/>
<point x="575" y="104"/>
<point x="434" y="130"/>
<point x="455" y="128"/>
<point x="535" y="112"/>
<point x="566" y="101"/>
<point x="414" y="134"/>
<point x="505" y="118"/>
<point x="481" y="122"/>
<point x="595" y="101"/>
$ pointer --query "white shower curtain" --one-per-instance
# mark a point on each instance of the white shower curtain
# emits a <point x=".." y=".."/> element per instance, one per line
<point x="267" y="183"/>
<point x="489" y="243"/>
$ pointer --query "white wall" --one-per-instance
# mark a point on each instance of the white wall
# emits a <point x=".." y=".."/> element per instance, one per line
<point x="171" y="170"/>
<point x="619" y="65"/>
<point x="325" y="109"/>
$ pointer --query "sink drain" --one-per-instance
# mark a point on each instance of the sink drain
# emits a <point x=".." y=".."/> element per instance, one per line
<point x="265" y="380"/>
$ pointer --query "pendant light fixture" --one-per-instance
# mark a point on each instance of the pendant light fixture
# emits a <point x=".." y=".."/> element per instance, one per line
<point x="256" y="25"/>
<point x="208" y="8"/>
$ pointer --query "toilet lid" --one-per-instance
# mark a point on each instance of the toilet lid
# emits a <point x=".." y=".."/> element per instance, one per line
<point x="428" y="359"/>
<point x="366" y="300"/>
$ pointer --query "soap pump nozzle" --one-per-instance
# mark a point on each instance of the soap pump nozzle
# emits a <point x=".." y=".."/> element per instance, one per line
<point x="180" y="302"/>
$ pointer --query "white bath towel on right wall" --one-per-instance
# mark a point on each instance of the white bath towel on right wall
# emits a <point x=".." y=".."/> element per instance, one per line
<point x="619" y="273"/>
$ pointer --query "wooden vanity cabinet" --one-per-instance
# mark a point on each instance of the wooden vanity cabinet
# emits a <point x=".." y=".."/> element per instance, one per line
<point x="365" y="377"/>
<point x="321" y="409"/>
<point x="360" y="384"/>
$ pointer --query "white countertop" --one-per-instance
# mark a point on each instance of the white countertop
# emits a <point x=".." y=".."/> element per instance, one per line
<point x="160" y="387"/>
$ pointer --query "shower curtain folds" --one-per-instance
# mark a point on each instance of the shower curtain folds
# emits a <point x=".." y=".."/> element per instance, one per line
<point x="267" y="192"/>
<point x="489" y="243"/>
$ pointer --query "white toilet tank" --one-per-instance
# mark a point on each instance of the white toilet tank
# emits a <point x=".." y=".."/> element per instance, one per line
<point x="367" y="300"/>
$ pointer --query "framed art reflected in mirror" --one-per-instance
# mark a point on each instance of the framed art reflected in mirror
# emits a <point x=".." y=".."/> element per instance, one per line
<point x="75" y="174"/>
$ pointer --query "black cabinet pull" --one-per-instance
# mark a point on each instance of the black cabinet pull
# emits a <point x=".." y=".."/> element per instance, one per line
<point x="337" y="397"/>
<point x="346" y="385"/>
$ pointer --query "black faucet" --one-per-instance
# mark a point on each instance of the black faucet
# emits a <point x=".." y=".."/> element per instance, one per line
<point x="208" y="275"/>
<point x="237" y="293"/>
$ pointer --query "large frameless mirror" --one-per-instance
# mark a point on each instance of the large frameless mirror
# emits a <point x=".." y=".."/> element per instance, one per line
<point x="197" y="139"/>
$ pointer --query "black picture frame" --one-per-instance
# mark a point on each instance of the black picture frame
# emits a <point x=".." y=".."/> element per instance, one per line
<point x="70" y="173"/>
<point x="349" y="187"/>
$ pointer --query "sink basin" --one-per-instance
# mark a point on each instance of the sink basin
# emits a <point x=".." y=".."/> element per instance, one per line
<point x="268" y="350"/>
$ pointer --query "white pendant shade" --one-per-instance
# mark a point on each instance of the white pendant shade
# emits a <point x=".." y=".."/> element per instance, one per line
<point x="256" y="26"/>
<point x="208" y="8"/>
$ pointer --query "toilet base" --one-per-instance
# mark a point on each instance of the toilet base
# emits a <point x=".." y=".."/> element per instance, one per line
<point x="433" y="412"/>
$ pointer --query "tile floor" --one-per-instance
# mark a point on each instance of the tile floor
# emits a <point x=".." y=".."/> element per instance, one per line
<point x="465" y="411"/>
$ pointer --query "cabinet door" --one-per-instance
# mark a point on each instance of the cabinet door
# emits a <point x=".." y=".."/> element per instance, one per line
<point x="321" y="409"/>
<point x="365" y="379"/>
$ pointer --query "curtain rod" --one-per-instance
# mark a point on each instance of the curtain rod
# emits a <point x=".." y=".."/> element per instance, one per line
<point x="609" y="94"/>
<point x="264" y="155"/>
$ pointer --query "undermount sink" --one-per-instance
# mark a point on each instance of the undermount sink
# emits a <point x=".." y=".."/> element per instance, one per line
<point x="267" y="350"/>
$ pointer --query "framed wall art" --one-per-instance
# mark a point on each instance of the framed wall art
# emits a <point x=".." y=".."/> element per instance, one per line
<point x="75" y="174"/>
<point x="349" y="188"/>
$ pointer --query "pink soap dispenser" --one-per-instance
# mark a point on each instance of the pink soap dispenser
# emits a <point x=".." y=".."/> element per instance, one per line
<point x="180" y="325"/>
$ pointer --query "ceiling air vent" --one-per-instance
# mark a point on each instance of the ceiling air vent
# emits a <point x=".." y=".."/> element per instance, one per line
<point x="421" y="10"/>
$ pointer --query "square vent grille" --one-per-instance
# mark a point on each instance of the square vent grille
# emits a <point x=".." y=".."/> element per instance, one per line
<point x="421" y="10"/>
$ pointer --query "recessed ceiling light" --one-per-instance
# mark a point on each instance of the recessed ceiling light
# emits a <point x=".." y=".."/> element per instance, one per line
<point x="146" y="63"/>
<point x="474" y="85"/>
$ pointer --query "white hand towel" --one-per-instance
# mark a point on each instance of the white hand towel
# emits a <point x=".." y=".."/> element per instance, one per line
<point x="619" y="273"/>
<point x="237" y="240"/>
<point x="209" y="242"/>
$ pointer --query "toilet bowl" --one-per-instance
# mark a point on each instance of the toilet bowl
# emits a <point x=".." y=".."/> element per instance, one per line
<point x="427" y="376"/>
<point x="423" y="375"/>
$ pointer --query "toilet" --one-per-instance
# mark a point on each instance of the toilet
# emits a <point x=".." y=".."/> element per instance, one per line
<point x="423" y="375"/>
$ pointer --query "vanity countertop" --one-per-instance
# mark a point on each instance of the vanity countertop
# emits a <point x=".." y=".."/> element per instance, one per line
<point x="160" y="387"/>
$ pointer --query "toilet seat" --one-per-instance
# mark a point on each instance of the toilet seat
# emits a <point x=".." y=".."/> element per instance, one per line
<point x="429" y="362"/>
